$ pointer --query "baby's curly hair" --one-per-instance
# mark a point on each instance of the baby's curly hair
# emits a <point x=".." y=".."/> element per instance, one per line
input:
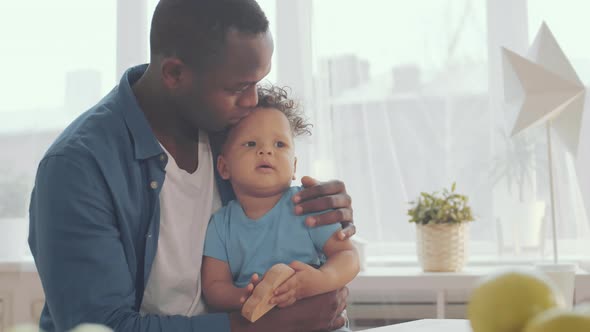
<point x="273" y="96"/>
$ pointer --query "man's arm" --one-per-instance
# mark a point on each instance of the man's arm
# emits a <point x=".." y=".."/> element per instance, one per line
<point x="75" y="239"/>
<point x="317" y="313"/>
<point x="319" y="196"/>
<point x="218" y="287"/>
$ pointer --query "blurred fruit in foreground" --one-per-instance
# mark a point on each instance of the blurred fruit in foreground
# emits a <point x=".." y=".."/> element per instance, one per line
<point x="80" y="328"/>
<point x="559" y="320"/>
<point x="91" y="328"/>
<point x="506" y="301"/>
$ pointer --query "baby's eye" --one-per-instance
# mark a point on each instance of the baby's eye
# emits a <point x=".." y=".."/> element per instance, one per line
<point x="250" y="144"/>
<point x="280" y="144"/>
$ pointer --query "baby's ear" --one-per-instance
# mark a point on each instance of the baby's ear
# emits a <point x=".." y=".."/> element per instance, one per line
<point x="222" y="167"/>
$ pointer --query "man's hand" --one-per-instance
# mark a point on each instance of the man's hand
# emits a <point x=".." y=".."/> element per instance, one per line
<point x="316" y="313"/>
<point x="297" y="286"/>
<point x="318" y="196"/>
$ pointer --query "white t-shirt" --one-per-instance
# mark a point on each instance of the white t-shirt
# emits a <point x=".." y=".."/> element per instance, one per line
<point x="186" y="204"/>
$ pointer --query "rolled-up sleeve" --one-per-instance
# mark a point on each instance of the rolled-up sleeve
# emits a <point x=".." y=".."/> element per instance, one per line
<point x="80" y="257"/>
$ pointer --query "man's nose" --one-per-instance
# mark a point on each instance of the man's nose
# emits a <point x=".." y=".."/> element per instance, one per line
<point x="249" y="98"/>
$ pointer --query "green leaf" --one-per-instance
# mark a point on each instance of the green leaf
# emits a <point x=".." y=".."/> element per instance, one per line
<point x="444" y="207"/>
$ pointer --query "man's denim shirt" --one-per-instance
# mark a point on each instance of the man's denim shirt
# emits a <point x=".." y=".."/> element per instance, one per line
<point x="95" y="216"/>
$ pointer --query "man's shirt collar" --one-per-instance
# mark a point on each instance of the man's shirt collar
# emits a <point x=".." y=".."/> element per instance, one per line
<point x="145" y="143"/>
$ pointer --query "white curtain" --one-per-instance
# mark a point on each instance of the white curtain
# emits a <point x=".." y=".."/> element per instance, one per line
<point x="411" y="97"/>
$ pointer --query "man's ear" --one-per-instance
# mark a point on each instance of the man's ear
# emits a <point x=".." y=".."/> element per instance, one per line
<point x="222" y="167"/>
<point x="175" y="73"/>
<point x="294" y="169"/>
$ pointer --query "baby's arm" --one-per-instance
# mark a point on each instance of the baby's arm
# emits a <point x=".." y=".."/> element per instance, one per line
<point x="218" y="287"/>
<point x="340" y="268"/>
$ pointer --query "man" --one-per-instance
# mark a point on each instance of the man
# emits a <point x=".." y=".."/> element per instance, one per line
<point x="122" y="198"/>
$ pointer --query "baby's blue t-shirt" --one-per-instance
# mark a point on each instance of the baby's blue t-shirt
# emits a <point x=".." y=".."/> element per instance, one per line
<point x="253" y="246"/>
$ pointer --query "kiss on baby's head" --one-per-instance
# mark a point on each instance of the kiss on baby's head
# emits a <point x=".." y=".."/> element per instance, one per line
<point x="278" y="98"/>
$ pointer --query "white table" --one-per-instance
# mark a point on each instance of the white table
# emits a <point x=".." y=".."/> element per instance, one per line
<point x="427" y="325"/>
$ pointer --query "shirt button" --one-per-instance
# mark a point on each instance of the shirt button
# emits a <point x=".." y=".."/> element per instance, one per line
<point x="149" y="236"/>
<point x="162" y="157"/>
<point x="154" y="184"/>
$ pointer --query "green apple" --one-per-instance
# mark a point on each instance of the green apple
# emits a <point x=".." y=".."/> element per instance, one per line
<point x="506" y="301"/>
<point x="559" y="320"/>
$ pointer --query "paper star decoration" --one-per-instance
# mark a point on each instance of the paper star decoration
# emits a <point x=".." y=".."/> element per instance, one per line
<point x="550" y="86"/>
<point x="547" y="90"/>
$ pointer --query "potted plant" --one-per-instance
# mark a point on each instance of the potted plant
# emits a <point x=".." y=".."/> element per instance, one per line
<point x="513" y="174"/>
<point x="441" y="229"/>
<point x="515" y="164"/>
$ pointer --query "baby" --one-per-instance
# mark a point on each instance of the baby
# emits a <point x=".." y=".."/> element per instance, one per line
<point x="259" y="229"/>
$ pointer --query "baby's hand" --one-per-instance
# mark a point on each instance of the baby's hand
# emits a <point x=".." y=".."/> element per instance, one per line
<point x="254" y="280"/>
<point x="294" y="288"/>
<point x="286" y="293"/>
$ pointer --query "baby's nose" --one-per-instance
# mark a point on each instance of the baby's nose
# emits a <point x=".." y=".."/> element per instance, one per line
<point x="265" y="150"/>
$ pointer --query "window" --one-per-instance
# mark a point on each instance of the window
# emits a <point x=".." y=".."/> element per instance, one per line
<point x="58" y="60"/>
<point x="408" y="98"/>
<point x="405" y="88"/>
<point x="405" y="98"/>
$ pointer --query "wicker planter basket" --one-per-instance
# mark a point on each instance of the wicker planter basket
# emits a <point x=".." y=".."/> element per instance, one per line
<point x="442" y="247"/>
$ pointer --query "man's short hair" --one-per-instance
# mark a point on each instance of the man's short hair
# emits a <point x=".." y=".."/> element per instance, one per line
<point x="195" y="30"/>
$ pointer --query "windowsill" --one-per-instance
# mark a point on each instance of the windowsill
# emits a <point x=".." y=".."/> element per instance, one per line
<point x="379" y="281"/>
<point x="468" y="272"/>
<point x="477" y="261"/>
<point x="377" y="265"/>
<point x="384" y="277"/>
